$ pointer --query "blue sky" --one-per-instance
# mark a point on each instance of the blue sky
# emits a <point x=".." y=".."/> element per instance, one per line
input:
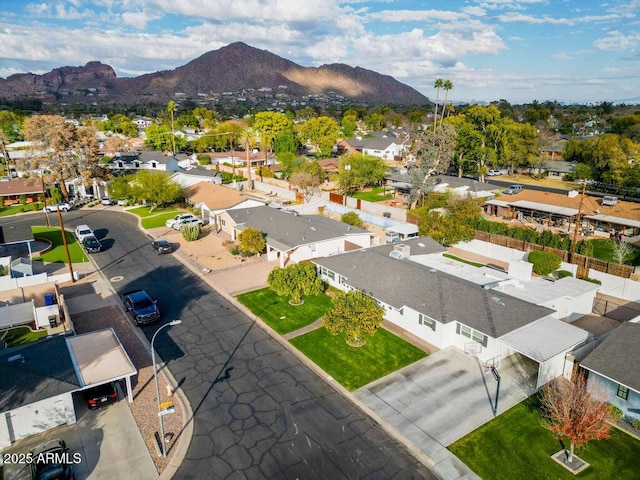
<point x="582" y="51"/>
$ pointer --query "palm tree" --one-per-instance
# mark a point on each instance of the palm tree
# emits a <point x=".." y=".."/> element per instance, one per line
<point x="438" y="84"/>
<point x="448" y="85"/>
<point x="171" y="107"/>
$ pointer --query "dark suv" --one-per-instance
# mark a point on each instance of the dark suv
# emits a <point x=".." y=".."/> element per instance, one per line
<point x="102" y="395"/>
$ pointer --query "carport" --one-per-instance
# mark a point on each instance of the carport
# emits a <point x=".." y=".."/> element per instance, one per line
<point x="546" y="342"/>
<point x="100" y="358"/>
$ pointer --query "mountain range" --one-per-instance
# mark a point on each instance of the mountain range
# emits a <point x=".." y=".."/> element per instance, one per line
<point x="234" y="73"/>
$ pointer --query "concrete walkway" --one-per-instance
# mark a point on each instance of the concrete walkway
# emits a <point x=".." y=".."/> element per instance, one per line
<point x="301" y="331"/>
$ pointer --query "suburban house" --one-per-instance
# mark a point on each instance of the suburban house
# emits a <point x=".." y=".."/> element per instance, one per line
<point x="38" y="380"/>
<point x="192" y="175"/>
<point x="129" y="162"/>
<point x="613" y="365"/>
<point x="400" y="182"/>
<point x="606" y="214"/>
<point x="445" y="310"/>
<point x="291" y="237"/>
<point x="388" y="144"/>
<point x="557" y="169"/>
<point x="213" y="200"/>
<point x="29" y="189"/>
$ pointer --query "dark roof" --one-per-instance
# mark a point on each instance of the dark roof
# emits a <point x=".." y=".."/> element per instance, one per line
<point x="143" y="157"/>
<point x="286" y="230"/>
<point x="47" y="371"/>
<point x="17" y="233"/>
<point x="618" y="356"/>
<point x="199" y="172"/>
<point x="439" y="295"/>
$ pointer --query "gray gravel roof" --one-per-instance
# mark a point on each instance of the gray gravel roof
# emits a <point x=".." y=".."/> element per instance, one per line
<point x="618" y="356"/>
<point x="287" y="230"/>
<point x="47" y="371"/>
<point x="439" y="295"/>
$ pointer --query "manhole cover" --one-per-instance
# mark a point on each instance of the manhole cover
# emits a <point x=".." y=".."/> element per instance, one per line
<point x="117" y="278"/>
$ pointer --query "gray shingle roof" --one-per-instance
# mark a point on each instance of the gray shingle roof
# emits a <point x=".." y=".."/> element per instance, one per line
<point x="439" y="295"/>
<point x="618" y="356"/>
<point x="286" y="230"/>
<point x="15" y="234"/>
<point x="47" y="371"/>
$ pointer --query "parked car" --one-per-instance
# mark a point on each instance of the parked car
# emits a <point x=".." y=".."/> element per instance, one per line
<point x="83" y="231"/>
<point x="91" y="244"/>
<point x="169" y="223"/>
<point x="106" y="201"/>
<point x="162" y="246"/>
<point x="513" y="189"/>
<point x="493" y="173"/>
<point x="101" y="395"/>
<point x="51" y="460"/>
<point x="143" y="308"/>
<point x="64" y="206"/>
<point x="193" y="220"/>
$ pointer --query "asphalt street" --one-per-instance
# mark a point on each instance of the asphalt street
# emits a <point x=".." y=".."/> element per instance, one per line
<point x="258" y="411"/>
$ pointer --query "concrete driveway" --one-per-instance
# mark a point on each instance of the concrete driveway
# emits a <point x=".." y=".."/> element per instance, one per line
<point x="442" y="398"/>
<point x="107" y="439"/>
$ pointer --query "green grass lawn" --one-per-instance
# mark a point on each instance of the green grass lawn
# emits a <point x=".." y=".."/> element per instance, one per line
<point x="155" y="218"/>
<point x="603" y="249"/>
<point x="514" y="446"/>
<point x="22" y="335"/>
<point x="374" y="195"/>
<point x="458" y="259"/>
<point x="354" y="367"/>
<point x="13" y="209"/>
<point x="57" y="254"/>
<point x="279" y="315"/>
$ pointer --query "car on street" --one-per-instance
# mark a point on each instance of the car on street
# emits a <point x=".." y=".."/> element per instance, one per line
<point x="182" y="216"/>
<point x="161" y="246"/>
<point x="83" y="231"/>
<point x="91" y="244"/>
<point x="106" y="201"/>
<point x="187" y="221"/>
<point x="513" y="189"/>
<point x="143" y="308"/>
<point x="64" y="206"/>
<point x="493" y="173"/>
<point x="51" y="460"/>
<point x="101" y="395"/>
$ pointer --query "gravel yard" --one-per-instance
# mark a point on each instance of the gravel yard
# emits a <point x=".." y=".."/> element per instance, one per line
<point x="144" y="405"/>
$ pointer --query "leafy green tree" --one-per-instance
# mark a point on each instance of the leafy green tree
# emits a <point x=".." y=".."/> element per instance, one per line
<point x="375" y="121"/>
<point x="321" y="132"/>
<point x="160" y="137"/>
<point x="544" y="262"/>
<point x="295" y="281"/>
<point x="353" y="315"/>
<point x="349" y="123"/>
<point x="150" y="186"/>
<point x="269" y="126"/>
<point x="251" y="241"/>
<point x="352" y="218"/>
<point x="363" y="170"/>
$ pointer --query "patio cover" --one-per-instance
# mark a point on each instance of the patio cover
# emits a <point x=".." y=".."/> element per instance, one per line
<point x="499" y="203"/>
<point x="101" y="358"/>
<point x="543" y="207"/>
<point x="405" y="228"/>
<point x="615" y="220"/>
<point x="545" y="338"/>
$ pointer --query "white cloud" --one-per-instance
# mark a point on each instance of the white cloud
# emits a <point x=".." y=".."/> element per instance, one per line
<point x="616" y="40"/>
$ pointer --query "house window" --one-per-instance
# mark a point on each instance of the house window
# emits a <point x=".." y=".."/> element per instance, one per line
<point x="474" y="335"/>
<point x="120" y="165"/>
<point x="427" y="322"/>
<point x="331" y="275"/>
<point x="222" y="222"/>
<point x="154" y="164"/>
<point x="623" y="392"/>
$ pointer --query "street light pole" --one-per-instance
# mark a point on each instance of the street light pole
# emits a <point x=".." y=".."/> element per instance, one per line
<point x="155" y="375"/>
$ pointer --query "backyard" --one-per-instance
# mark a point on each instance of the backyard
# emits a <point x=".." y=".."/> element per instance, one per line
<point x="21" y="335"/>
<point x="375" y="194"/>
<point x="276" y="312"/>
<point x="383" y="353"/>
<point x="515" y="445"/>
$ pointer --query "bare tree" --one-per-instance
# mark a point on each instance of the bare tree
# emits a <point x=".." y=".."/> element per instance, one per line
<point x="572" y="412"/>
<point x="621" y="251"/>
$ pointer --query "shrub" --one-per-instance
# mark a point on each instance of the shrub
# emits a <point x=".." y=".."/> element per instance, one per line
<point x="203" y="159"/>
<point x="23" y="199"/>
<point x="585" y="247"/>
<point x="562" y="273"/>
<point x="235" y="251"/>
<point x="190" y="232"/>
<point x="636" y="424"/>
<point x="544" y="262"/>
<point x="352" y="218"/>
<point x="616" y="413"/>
<point x="592" y="280"/>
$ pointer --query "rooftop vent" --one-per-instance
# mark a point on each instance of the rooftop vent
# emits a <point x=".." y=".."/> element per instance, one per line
<point x="400" y="251"/>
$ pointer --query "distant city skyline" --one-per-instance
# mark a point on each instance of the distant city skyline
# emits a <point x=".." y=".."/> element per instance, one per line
<point x="568" y="51"/>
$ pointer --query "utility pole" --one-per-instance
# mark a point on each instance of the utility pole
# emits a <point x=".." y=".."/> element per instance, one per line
<point x="66" y="247"/>
<point x="44" y="198"/>
<point x="578" y="217"/>
<point x="248" y="163"/>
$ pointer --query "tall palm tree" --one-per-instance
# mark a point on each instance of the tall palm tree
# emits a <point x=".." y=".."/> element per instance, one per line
<point x="171" y="107"/>
<point x="438" y="84"/>
<point x="448" y="85"/>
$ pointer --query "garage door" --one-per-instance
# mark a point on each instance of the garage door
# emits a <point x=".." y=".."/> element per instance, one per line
<point x="40" y="416"/>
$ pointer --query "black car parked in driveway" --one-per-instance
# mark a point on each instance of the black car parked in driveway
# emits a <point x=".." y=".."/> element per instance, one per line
<point x="162" y="246"/>
<point x="102" y="395"/>
<point x="51" y="460"/>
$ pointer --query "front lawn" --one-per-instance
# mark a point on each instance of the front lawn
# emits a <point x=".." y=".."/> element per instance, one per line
<point x="155" y="218"/>
<point x="276" y="312"/>
<point x="13" y="209"/>
<point x="57" y="253"/>
<point x="21" y="335"/>
<point x="515" y="445"/>
<point x="376" y="194"/>
<point x="384" y="353"/>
